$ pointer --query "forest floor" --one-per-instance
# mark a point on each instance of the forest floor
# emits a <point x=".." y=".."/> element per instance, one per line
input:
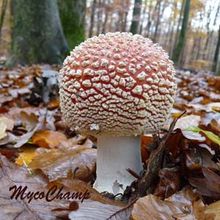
<point x="39" y="152"/>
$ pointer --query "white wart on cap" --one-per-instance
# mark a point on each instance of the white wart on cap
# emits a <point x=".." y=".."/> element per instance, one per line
<point x="117" y="86"/>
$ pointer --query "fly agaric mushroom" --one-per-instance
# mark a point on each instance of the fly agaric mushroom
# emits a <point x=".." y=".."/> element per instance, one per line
<point x="116" y="87"/>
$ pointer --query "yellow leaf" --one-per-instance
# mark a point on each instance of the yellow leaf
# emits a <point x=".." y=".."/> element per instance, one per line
<point x="48" y="139"/>
<point x="26" y="157"/>
<point x="211" y="136"/>
<point x="53" y="104"/>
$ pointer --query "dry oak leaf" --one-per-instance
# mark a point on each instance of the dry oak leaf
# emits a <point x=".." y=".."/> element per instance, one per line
<point x="30" y="124"/>
<point x="11" y="208"/>
<point x="97" y="207"/>
<point x="3" y="128"/>
<point x="48" y="138"/>
<point x="209" y="185"/>
<point x="187" y="121"/>
<point x="57" y="163"/>
<point x="184" y="205"/>
<point x="21" y="140"/>
<point x="5" y="124"/>
<point x="8" y="122"/>
<point x="53" y="104"/>
<point x="25" y="116"/>
<point x="213" y="210"/>
<point x="92" y="210"/>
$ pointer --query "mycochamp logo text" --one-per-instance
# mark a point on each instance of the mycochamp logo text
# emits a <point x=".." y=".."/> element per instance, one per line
<point x="53" y="193"/>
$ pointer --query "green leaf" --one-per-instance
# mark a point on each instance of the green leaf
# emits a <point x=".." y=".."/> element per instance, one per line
<point x="210" y="135"/>
<point x="213" y="137"/>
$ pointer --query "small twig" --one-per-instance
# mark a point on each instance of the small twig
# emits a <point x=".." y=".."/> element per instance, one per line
<point x="154" y="164"/>
<point x="75" y="171"/>
<point x="123" y="209"/>
<point x="133" y="173"/>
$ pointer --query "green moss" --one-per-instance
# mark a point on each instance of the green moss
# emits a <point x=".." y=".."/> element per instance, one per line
<point x="72" y="14"/>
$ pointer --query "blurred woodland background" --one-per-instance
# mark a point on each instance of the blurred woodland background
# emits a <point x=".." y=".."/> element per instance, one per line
<point x="44" y="31"/>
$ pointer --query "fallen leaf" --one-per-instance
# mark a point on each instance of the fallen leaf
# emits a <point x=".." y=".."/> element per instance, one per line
<point x="3" y="128"/>
<point x="169" y="182"/>
<point x="21" y="140"/>
<point x="9" y="153"/>
<point x="210" y="135"/>
<point x="187" y="121"/>
<point x="93" y="210"/>
<point x="214" y="106"/>
<point x="26" y="156"/>
<point x="97" y="207"/>
<point x="29" y="120"/>
<point x="209" y="185"/>
<point x="213" y="211"/>
<point x="145" y="142"/>
<point x="191" y="135"/>
<point x="56" y="163"/>
<point x="48" y="138"/>
<point x="77" y="140"/>
<point x="8" y="122"/>
<point x="20" y="209"/>
<point x="182" y="205"/>
<point x="53" y="104"/>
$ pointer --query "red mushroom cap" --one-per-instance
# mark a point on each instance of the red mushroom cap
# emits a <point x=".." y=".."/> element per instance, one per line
<point x="117" y="84"/>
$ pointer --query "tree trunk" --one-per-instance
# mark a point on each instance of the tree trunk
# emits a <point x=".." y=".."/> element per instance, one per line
<point x="148" y="26"/>
<point x="37" y="35"/>
<point x="158" y="8"/>
<point x="181" y="41"/>
<point x="125" y="21"/>
<point x="198" y="48"/>
<point x="179" y="23"/>
<point x="92" y="18"/>
<point x="105" y="22"/>
<point x="3" y="11"/>
<point x="107" y="8"/>
<point x="208" y="33"/>
<point x="99" y="17"/>
<point x="136" y="17"/>
<point x="210" y="37"/>
<point x="216" y="61"/>
<point x="72" y="14"/>
<point x="172" y="24"/>
<point x="143" y="17"/>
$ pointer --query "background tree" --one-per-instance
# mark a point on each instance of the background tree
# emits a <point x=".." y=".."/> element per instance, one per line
<point x="158" y="12"/>
<point x="161" y="21"/>
<point x="92" y="18"/>
<point x="136" y="17"/>
<point x="37" y="35"/>
<point x="106" y="16"/>
<point x="181" y="41"/>
<point x="216" y="62"/>
<point x="2" y="16"/>
<point x="72" y="14"/>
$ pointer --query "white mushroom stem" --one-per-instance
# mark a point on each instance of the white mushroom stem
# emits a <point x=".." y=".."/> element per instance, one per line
<point x="115" y="155"/>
